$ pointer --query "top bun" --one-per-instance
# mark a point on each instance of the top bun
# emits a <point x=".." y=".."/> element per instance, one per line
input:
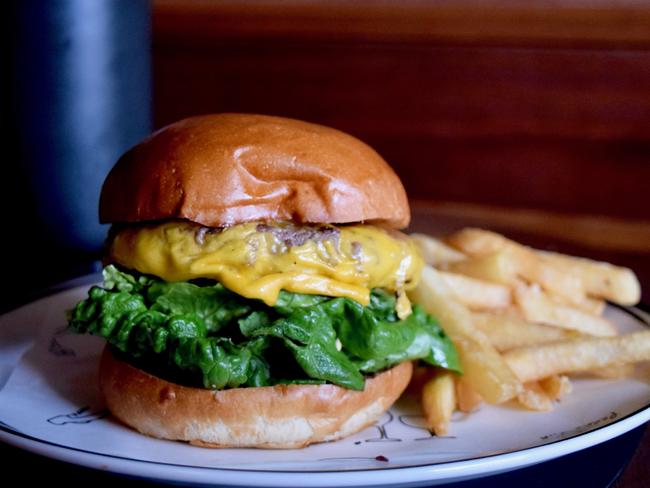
<point x="226" y="169"/>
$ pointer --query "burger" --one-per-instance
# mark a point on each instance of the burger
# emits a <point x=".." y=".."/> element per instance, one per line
<point x="254" y="290"/>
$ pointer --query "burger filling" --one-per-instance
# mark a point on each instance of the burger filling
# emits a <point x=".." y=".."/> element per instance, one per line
<point x="259" y="304"/>
<point x="259" y="260"/>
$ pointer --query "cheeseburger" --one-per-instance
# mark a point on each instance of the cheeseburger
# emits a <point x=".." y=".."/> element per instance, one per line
<point x="255" y="285"/>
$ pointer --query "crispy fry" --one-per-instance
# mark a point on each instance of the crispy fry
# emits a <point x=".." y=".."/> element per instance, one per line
<point x="537" y="307"/>
<point x="551" y="279"/>
<point x="599" y="279"/>
<point x="477" y="294"/>
<point x="526" y="262"/>
<point x="556" y="386"/>
<point x="613" y="372"/>
<point x="483" y="367"/>
<point x="439" y="401"/>
<point x="594" y="306"/>
<point x="499" y="267"/>
<point x="477" y="242"/>
<point x="435" y="252"/>
<point x="536" y="362"/>
<point x="468" y="400"/>
<point x="541" y="311"/>
<point x="533" y="397"/>
<point x="508" y="332"/>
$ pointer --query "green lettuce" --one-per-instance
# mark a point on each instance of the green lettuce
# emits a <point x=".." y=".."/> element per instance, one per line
<point x="205" y="334"/>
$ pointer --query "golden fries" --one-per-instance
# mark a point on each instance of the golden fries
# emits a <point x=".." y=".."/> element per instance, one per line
<point x="483" y="367"/>
<point x="599" y="279"/>
<point x="554" y="271"/>
<point x="478" y="242"/>
<point x="508" y="332"/>
<point x="439" y="401"/>
<point x="499" y="267"/>
<point x="533" y="397"/>
<point x="435" y="252"/>
<point x="594" y="306"/>
<point x="522" y="320"/>
<point x="525" y="262"/>
<point x="613" y="372"/>
<point x="551" y="279"/>
<point x="536" y="307"/>
<point x="468" y="400"/>
<point x="536" y="362"/>
<point x="477" y="294"/>
<point x="556" y="386"/>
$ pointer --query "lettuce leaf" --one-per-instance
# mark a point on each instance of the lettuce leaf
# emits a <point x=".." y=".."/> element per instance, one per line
<point x="206" y="334"/>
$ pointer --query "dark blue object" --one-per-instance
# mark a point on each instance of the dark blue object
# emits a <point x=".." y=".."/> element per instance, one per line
<point x="82" y="96"/>
<point x="79" y="88"/>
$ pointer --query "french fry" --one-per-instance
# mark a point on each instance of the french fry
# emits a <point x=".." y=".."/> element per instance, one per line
<point x="483" y="367"/>
<point x="526" y="263"/>
<point x="594" y="306"/>
<point x="556" y="386"/>
<point x="499" y="267"/>
<point x="613" y="372"/>
<point x="599" y="279"/>
<point x="467" y="399"/>
<point x="522" y="320"/>
<point x="508" y="332"/>
<point x="477" y="294"/>
<point x="439" y="401"/>
<point x="435" y="252"/>
<point x="533" y="397"/>
<point x="537" y="307"/>
<point x="478" y="242"/>
<point x="551" y="279"/>
<point x="577" y="355"/>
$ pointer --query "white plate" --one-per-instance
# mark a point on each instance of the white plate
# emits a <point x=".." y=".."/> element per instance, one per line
<point x="49" y="405"/>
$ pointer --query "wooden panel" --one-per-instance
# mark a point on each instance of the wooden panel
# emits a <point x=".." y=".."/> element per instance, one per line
<point x="592" y="177"/>
<point x="418" y="90"/>
<point x="496" y="22"/>
<point x="566" y="130"/>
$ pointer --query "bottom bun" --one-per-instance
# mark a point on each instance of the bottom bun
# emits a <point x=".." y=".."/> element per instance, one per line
<point x="281" y="416"/>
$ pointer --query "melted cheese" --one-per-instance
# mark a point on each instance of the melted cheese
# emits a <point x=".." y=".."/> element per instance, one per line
<point x="255" y="262"/>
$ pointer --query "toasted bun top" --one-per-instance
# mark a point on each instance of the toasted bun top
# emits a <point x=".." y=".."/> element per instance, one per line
<point x="227" y="169"/>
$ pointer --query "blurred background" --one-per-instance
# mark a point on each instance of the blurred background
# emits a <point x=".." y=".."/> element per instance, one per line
<point x="532" y="118"/>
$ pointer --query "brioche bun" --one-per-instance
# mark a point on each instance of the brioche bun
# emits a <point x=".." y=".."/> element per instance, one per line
<point x="282" y="416"/>
<point x="225" y="169"/>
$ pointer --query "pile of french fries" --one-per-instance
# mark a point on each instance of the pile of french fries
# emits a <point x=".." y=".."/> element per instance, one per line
<point x="522" y="320"/>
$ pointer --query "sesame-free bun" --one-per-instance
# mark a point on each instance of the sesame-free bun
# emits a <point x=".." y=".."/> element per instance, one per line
<point x="226" y="169"/>
<point x="282" y="416"/>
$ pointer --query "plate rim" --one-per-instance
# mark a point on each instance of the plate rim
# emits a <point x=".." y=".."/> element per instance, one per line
<point x="446" y="471"/>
